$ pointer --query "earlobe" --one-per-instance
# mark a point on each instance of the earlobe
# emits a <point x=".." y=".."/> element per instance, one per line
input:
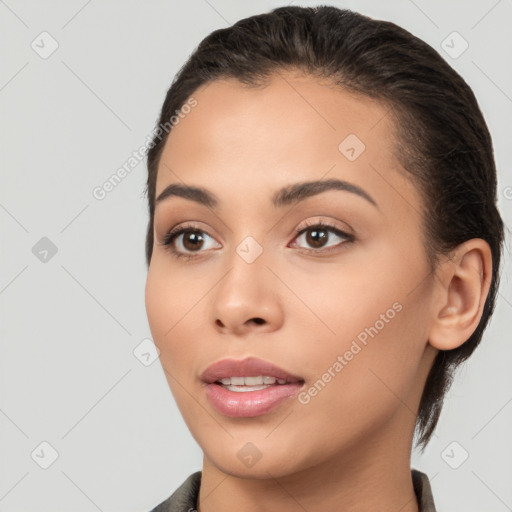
<point x="465" y="281"/>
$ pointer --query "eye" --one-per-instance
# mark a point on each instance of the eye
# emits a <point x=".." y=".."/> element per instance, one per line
<point x="317" y="234"/>
<point x="185" y="241"/>
<point x="189" y="240"/>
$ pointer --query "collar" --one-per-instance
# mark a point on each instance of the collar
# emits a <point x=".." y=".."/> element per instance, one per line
<point x="184" y="498"/>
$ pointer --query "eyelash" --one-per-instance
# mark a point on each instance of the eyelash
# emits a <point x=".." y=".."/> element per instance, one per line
<point x="175" y="232"/>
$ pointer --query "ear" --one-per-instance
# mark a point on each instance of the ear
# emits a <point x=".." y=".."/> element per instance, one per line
<point x="463" y="284"/>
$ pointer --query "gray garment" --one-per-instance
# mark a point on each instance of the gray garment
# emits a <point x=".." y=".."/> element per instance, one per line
<point x="184" y="498"/>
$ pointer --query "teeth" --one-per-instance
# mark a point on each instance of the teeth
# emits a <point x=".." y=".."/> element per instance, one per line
<point x="246" y="388"/>
<point x="251" y="381"/>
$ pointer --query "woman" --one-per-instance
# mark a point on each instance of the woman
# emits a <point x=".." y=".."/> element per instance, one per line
<point x="323" y="251"/>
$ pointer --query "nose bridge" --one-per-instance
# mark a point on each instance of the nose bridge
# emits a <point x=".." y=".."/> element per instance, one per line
<point x="249" y="250"/>
<point x="246" y="295"/>
<point x="246" y="280"/>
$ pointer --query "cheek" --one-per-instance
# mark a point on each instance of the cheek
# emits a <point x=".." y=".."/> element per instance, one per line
<point x="372" y="290"/>
<point x="164" y="307"/>
<point x="169" y="296"/>
<point x="357" y="383"/>
<point x="342" y="300"/>
<point x="175" y="307"/>
<point x="368" y="331"/>
<point x="157" y="299"/>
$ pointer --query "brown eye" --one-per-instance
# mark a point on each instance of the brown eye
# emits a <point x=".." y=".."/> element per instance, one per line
<point x="188" y="241"/>
<point x="317" y="237"/>
<point x="192" y="240"/>
<point x="319" y="234"/>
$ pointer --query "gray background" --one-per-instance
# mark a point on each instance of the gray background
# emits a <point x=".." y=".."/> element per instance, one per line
<point x="70" y="324"/>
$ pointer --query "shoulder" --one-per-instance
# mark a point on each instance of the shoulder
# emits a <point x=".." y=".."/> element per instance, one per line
<point x="184" y="498"/>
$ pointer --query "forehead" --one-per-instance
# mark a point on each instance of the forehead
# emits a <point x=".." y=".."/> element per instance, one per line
<point x="294" y="128"/>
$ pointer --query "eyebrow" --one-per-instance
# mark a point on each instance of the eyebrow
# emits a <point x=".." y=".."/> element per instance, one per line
<point x="285" y="196"/>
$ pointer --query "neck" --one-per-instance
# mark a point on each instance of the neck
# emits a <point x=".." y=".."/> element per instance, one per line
<point x="373" y="474"/>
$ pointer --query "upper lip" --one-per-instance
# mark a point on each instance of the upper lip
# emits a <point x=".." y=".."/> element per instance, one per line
<point x="250" y="366"/>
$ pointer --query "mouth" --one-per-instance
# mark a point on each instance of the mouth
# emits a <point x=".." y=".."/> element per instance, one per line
<point x="248" y="387"/>
<point x="248" y="372"/>
<point x="243" y="384"/>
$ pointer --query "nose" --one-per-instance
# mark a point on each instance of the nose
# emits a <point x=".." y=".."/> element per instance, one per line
<point x="247" y="299"/>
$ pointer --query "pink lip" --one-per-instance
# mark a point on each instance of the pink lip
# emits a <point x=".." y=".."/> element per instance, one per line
<point x="250" y="366"/>
<point x="249" y="403"/>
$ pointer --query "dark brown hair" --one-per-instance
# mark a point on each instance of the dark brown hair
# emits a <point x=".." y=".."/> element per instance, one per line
<point x="442" y="139"/>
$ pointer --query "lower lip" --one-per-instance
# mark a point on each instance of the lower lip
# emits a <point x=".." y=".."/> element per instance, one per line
<point x="247" y="404"/>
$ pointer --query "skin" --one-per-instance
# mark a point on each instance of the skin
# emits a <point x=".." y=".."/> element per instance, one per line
<point x="349" y="447"/>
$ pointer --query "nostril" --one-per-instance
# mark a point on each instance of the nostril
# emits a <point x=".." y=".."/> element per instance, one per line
<point x="256" y="320"/>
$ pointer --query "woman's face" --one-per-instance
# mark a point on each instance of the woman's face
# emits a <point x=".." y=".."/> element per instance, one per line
<point x="349" y="311"/>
